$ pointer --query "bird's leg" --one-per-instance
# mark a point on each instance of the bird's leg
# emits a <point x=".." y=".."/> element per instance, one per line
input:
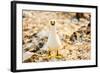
<point x="58" y="55"/>
<point x="53" y="53"/>
<point x="57" y="52"/>
<point x="49" y="53"/>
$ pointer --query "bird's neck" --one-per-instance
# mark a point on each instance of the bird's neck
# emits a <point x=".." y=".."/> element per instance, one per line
<point x="53" y="29"/>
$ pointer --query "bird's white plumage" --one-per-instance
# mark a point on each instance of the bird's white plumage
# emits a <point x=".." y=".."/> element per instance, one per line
<point x="53" y="39"/>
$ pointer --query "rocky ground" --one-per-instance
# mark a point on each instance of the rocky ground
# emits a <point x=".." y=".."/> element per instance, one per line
<point x="74" y="30"/>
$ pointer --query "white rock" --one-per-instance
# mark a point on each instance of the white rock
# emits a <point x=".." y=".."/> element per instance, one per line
<point x="27" y="55"/>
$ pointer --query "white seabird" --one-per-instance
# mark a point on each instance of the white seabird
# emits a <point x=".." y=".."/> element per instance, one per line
<point x="53" y="43"/>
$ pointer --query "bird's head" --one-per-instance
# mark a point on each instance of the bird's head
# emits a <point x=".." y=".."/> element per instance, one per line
<point x="52" y="23"/>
